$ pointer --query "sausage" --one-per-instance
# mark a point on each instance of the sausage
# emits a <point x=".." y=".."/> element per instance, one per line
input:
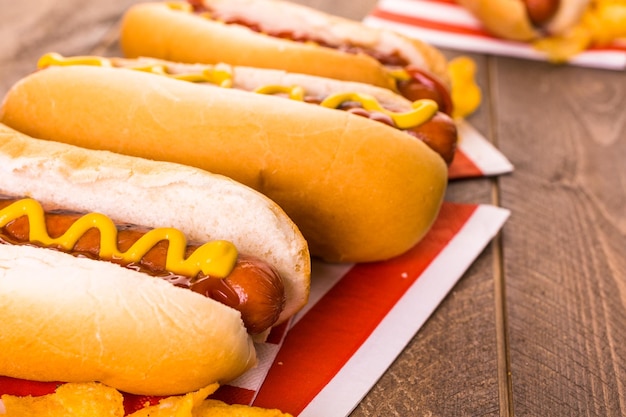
<point x="439" y="133"/>
<point x="253" y="287"/>
<point x="541" y="12"/>
<point x="420" y="85"/>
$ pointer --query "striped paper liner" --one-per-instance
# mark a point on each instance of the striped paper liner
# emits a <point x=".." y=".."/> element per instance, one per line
<point x="358" y="320"/>
<point x="475" y="156"/>
<point x="360" y="317"/>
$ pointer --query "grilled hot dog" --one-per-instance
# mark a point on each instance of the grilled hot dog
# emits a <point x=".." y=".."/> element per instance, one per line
<point x="419" y="119"/>
<point x="287" y="36"/>
<point x="76" y="296"/>
<point x="559" y="28"/>
<point x="252" y="287"/>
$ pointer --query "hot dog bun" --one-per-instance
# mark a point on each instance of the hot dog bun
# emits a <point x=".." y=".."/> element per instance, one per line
<point x="509" y="19"/>
<point x="77" y="319"/>
<point x="150" y="337"/>
<point x="236" y="76"/>
<point x="170" y="31"/>
<point x="421" y="119"/>
<point x="357" y="189"/>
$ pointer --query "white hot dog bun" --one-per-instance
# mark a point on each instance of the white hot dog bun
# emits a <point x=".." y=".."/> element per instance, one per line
<point x="78" y="319"/>
<point x="75" y="319"/>
<point x="358" y="190"/>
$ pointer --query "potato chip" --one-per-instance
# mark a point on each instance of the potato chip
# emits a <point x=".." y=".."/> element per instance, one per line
<point x="70" y="400"/>
<point x="214" y="408"/>
<point x="98" y="400"/>
<point x="603" y="22"/>
<point x="195" y="405"/>
<point x="177" y="406"/>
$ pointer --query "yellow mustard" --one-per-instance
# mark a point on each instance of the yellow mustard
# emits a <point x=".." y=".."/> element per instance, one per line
<point x="294" y="92"/>
<point x="53" y="58"/>
<point x="421" y="112"/>
<point x="218" y="76"/>
<point x="215" y="258"/>
<point x="221" y="75"/>
<point x="180" y="5"/>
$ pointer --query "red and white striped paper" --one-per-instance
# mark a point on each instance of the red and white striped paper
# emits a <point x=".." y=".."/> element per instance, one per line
<point x="445" y="24"/>
<point x="358" y="320"/>
<point x="361" y="316"/>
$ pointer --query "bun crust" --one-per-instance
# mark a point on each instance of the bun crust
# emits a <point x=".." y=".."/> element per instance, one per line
<point x="204" y="206"/>
<point x="504" y="18"/>
<point x="508" y="19"/>
<point x="568" y="15"/>
<point x="74" y="319"/>
<point x="190" y="38"/>
<point x="250" y="78"/>
<point x="358" y="190"/>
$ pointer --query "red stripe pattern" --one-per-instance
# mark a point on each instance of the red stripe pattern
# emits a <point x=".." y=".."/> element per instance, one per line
<point x="318" y="346"/>
<point x="428" y="24"/>
<point x="463" y="167"/>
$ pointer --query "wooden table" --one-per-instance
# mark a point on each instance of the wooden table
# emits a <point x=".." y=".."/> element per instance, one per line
<point x="537" y="326"/>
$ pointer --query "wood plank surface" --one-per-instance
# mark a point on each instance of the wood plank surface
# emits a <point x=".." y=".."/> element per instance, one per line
<point x="537" y="326"/>
<point x="564" y="129"/>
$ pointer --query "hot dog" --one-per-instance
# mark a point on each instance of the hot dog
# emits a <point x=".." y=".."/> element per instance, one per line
<point x="252" y="287"/>
<point x="287" y="36"/>
<point x="560" y="28"/>
<point x="434" y="128"/>
<point x="359" y="190"/>
<point x="70" y="316"/>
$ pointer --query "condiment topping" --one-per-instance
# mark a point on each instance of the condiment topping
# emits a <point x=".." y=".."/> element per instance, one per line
<point x="55" y="59"/>
<point x="419" y="85"/>
<point x="216" y="258"/>
<point x="422" y="110"/>
<point x="219" y="75"/>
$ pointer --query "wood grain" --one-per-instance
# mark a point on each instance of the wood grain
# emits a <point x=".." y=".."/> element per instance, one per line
<point x="450" y="368"/>
<point x="565" y="243"/>
<point x="31" y="28"/>
<point x="536" y="327"/>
